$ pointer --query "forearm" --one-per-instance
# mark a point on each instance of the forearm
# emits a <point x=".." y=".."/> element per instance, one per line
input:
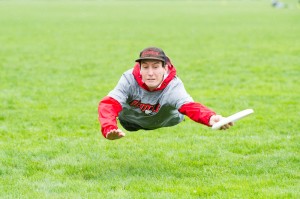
<point x="108" y="111"/>
<point x="197" y="112"/>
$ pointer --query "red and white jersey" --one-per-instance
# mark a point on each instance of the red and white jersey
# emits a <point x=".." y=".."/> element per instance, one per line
<point x="133" y="102"/>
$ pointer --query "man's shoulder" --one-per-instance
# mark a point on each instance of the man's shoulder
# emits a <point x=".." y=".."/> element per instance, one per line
<point x="128" y="72"/>
<point x="176" y="80"/>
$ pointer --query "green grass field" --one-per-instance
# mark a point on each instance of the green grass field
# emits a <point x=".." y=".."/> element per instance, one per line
<point x="59" y="58"/>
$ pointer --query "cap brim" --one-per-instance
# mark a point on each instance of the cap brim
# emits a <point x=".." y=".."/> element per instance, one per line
<point x="150" y="58"/>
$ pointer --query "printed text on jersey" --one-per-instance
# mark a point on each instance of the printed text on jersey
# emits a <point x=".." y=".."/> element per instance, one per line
<point x="147" y="108"/>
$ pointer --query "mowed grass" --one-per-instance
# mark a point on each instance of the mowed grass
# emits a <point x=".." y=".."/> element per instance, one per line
<point x="58" y="59"/>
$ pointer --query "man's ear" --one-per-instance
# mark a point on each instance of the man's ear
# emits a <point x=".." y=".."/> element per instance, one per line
<point x="166" y="69"/>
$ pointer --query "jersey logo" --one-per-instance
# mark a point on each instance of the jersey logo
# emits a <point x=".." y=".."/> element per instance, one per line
<point x="147" y="108"/>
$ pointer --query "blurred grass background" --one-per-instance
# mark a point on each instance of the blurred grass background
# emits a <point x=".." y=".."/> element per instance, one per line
<point x="59" y="58"/>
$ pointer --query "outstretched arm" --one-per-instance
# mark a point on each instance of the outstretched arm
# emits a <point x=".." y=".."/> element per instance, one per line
<point x="108" y="110"/>
<point x="201" y="114"/>
<point x="197" y="112"/>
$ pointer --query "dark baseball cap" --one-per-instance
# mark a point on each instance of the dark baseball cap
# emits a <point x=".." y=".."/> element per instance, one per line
<point x="152" y="53"/>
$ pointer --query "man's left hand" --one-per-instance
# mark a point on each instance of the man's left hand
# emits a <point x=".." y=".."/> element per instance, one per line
<point x="216" y="118"/>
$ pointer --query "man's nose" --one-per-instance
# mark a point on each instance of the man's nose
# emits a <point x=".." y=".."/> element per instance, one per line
<point x="150" y="71"/>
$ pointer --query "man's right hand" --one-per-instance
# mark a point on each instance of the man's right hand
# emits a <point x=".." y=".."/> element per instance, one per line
<point x="115" y="134"/>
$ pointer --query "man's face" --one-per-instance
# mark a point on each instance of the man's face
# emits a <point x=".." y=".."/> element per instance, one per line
<point x="152" y="72"/>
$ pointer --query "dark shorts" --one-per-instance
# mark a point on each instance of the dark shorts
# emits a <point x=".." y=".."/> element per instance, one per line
<point x="130" y="126"/>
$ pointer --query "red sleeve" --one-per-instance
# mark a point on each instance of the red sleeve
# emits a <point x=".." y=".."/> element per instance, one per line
<point x="197" y="112"/>
<point x="108" y="110"/>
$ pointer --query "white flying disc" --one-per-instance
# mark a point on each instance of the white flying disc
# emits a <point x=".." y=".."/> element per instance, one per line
<point x="232" y="118"/>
